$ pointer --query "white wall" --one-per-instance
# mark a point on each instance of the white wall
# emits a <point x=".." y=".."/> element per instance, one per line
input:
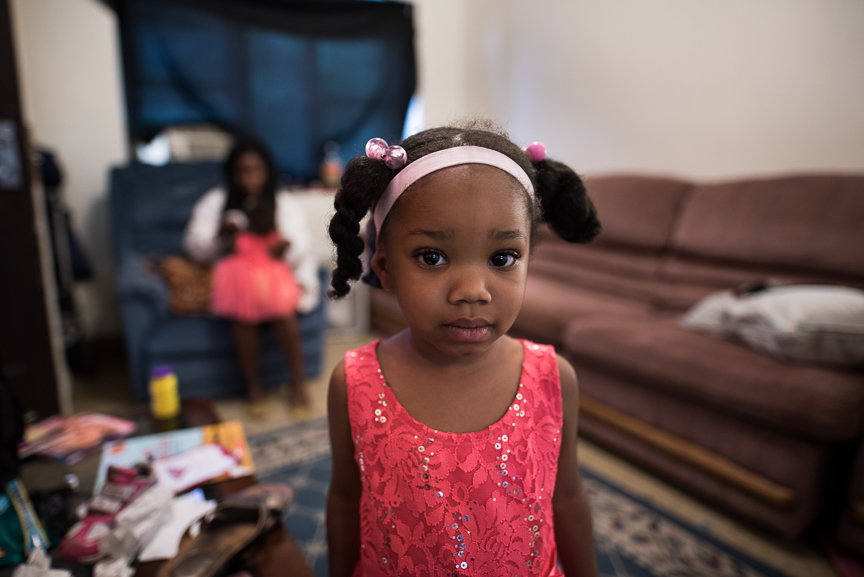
<point x="441" y="42"/>
<point x="712" y="88"/>
<point x="69" y="72"/>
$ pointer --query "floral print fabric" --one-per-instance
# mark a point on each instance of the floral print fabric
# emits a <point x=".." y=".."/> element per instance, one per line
<point x="438" y="503"/>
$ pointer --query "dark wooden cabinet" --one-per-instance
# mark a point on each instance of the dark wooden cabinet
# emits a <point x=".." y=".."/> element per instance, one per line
<point x="26" y="358"/>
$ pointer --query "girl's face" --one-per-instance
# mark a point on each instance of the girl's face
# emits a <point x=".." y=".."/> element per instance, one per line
<point x="250" y="173"/>
<point x="455" y="253"/>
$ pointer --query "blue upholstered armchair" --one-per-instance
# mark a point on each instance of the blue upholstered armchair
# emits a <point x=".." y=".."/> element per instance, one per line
<point x="150" y="206"/>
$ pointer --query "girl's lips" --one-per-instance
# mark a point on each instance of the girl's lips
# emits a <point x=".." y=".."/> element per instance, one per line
<point x="468" y="330"/>
<point x="468" y="323"/>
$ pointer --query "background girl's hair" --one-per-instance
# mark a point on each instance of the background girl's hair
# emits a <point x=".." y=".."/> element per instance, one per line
<point x="563" y="201"/>
<point x="236" y="195"/>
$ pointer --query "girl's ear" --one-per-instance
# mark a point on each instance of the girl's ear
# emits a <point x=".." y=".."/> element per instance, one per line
<point x="381" y="266"/>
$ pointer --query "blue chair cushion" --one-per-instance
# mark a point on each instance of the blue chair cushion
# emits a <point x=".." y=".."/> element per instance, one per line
<point x="207" y="336"/>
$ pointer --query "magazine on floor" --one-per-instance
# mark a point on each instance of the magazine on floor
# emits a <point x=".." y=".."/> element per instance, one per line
<point x="179" y="457"/>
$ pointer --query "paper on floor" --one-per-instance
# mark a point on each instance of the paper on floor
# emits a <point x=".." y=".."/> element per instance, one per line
<point x="137" y="524"/>
<point x="39" y="565"/>
<point x="193" y="467"/>
<point x="185" y="510"/>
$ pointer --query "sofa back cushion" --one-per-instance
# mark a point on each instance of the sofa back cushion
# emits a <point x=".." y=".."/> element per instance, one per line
<point x="610" y="269"/>
<point x="801" y="222"/>
<point x="151" y="205"/>
<point x="636" y="211"/>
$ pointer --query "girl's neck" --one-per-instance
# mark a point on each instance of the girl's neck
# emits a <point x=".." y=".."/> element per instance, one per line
<point x="402" y="353"/>
<point x="453" y="395"/>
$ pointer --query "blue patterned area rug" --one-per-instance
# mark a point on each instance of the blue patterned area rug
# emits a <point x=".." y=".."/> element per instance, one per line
<point x="633" y="537"/>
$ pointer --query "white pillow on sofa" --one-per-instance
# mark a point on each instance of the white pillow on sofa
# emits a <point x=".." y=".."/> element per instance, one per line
<point x="823" y="324"/>
<point x="711" y="314"/>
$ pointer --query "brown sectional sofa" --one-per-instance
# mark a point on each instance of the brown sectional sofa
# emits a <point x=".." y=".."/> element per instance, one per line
<point x="768" y="440"/>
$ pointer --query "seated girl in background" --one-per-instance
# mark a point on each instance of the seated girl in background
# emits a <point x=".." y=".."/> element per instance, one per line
<point x="264" y="271"/>
<point x="454" y="445"/>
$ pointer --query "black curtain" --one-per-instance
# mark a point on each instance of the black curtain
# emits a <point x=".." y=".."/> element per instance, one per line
<point x="295" y="74"/>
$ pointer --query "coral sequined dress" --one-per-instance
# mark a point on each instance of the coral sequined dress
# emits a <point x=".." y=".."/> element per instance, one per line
<point x="437" y="503"/>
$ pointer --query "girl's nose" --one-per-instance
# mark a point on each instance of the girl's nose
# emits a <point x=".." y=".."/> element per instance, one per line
<point x="468" y="286"/>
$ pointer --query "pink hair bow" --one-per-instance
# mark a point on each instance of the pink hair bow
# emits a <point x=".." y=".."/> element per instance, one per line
<point x="535" y="150"/>
<point x="393" y="156"/>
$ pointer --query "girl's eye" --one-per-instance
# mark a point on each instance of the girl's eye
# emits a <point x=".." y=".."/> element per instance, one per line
<point x="503" y="259"/>
<point x="431" y="258"/>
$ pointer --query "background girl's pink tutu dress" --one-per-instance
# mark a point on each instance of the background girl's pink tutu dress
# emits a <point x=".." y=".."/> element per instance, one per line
<point x="252" y="286"/>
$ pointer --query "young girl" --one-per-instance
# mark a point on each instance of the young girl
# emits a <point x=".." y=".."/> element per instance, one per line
<point x="257" y="236"/>
<point x="454" y="445"/>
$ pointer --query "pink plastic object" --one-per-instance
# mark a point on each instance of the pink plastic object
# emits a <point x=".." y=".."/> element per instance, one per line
<point x="376" y="148"/>
<point x="536" y="151"/>
<point x="123" y="485"/>
<point x="237" y="217"/>
<point x="395" y="157"/>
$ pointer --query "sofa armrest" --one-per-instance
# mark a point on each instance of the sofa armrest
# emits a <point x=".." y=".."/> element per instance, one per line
<point x="135" y="282"/>
<point x="144" y="304"/>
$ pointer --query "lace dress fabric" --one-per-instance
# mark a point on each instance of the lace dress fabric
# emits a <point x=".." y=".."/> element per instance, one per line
<point x="438" y="503"/>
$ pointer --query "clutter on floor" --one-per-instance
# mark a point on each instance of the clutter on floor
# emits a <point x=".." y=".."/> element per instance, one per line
<point x="185" y="510"/>
<point x="118" y="520"/>
<point x="21" y="531"/>
<point x="72" y="439"/>
<point x="236" y="522"/>
<point x="39" y="565"/>
<point x="184" y="458"/>
<point x="136" y="519"/>
<point x="134" y="514"/>
<point x="145" y="505"/>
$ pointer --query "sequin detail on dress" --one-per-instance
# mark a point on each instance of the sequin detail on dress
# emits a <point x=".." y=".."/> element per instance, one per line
<point x="437" y="503"/>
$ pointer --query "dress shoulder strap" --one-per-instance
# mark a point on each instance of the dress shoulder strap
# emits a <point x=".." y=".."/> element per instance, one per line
<point x="361" y="364"/>
<point x="362" y="373"/>
<point x="541" y="368"/>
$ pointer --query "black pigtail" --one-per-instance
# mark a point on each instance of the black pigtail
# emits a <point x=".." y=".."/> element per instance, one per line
<point x="565" y="203"/>
<point x="363" y="182"/>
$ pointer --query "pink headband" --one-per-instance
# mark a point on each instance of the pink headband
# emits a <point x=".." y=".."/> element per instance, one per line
<point x="445" y="159"/>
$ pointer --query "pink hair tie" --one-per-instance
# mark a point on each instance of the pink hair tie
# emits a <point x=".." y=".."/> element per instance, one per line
<point x="536" y="151"/>
<point x="394" y="156"/>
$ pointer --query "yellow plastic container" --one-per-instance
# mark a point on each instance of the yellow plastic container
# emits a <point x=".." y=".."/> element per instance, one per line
<point x="164" y="399"/>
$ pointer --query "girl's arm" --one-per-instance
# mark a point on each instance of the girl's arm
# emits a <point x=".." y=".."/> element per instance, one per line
<point x="343" y="502"/>
<point x="574" y="533"/>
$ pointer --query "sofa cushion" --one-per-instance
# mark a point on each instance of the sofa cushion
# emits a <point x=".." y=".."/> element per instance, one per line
<point x="723" y="275"/>
<point x="618" y="260"/>
<point x="803" y="222"/>
<point x="549" y="305"/>
<point x="784" y="459"/>
<point x="636" y="210"/>
<point x="192" y="335"/>
<point x="655" y="352"/>
<point x="152" y="204"/>
<point x="597" y="281"/>
<point x="801" y="465"/>
<point x="686" y="280"/>
<point x="208" y="336"/>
